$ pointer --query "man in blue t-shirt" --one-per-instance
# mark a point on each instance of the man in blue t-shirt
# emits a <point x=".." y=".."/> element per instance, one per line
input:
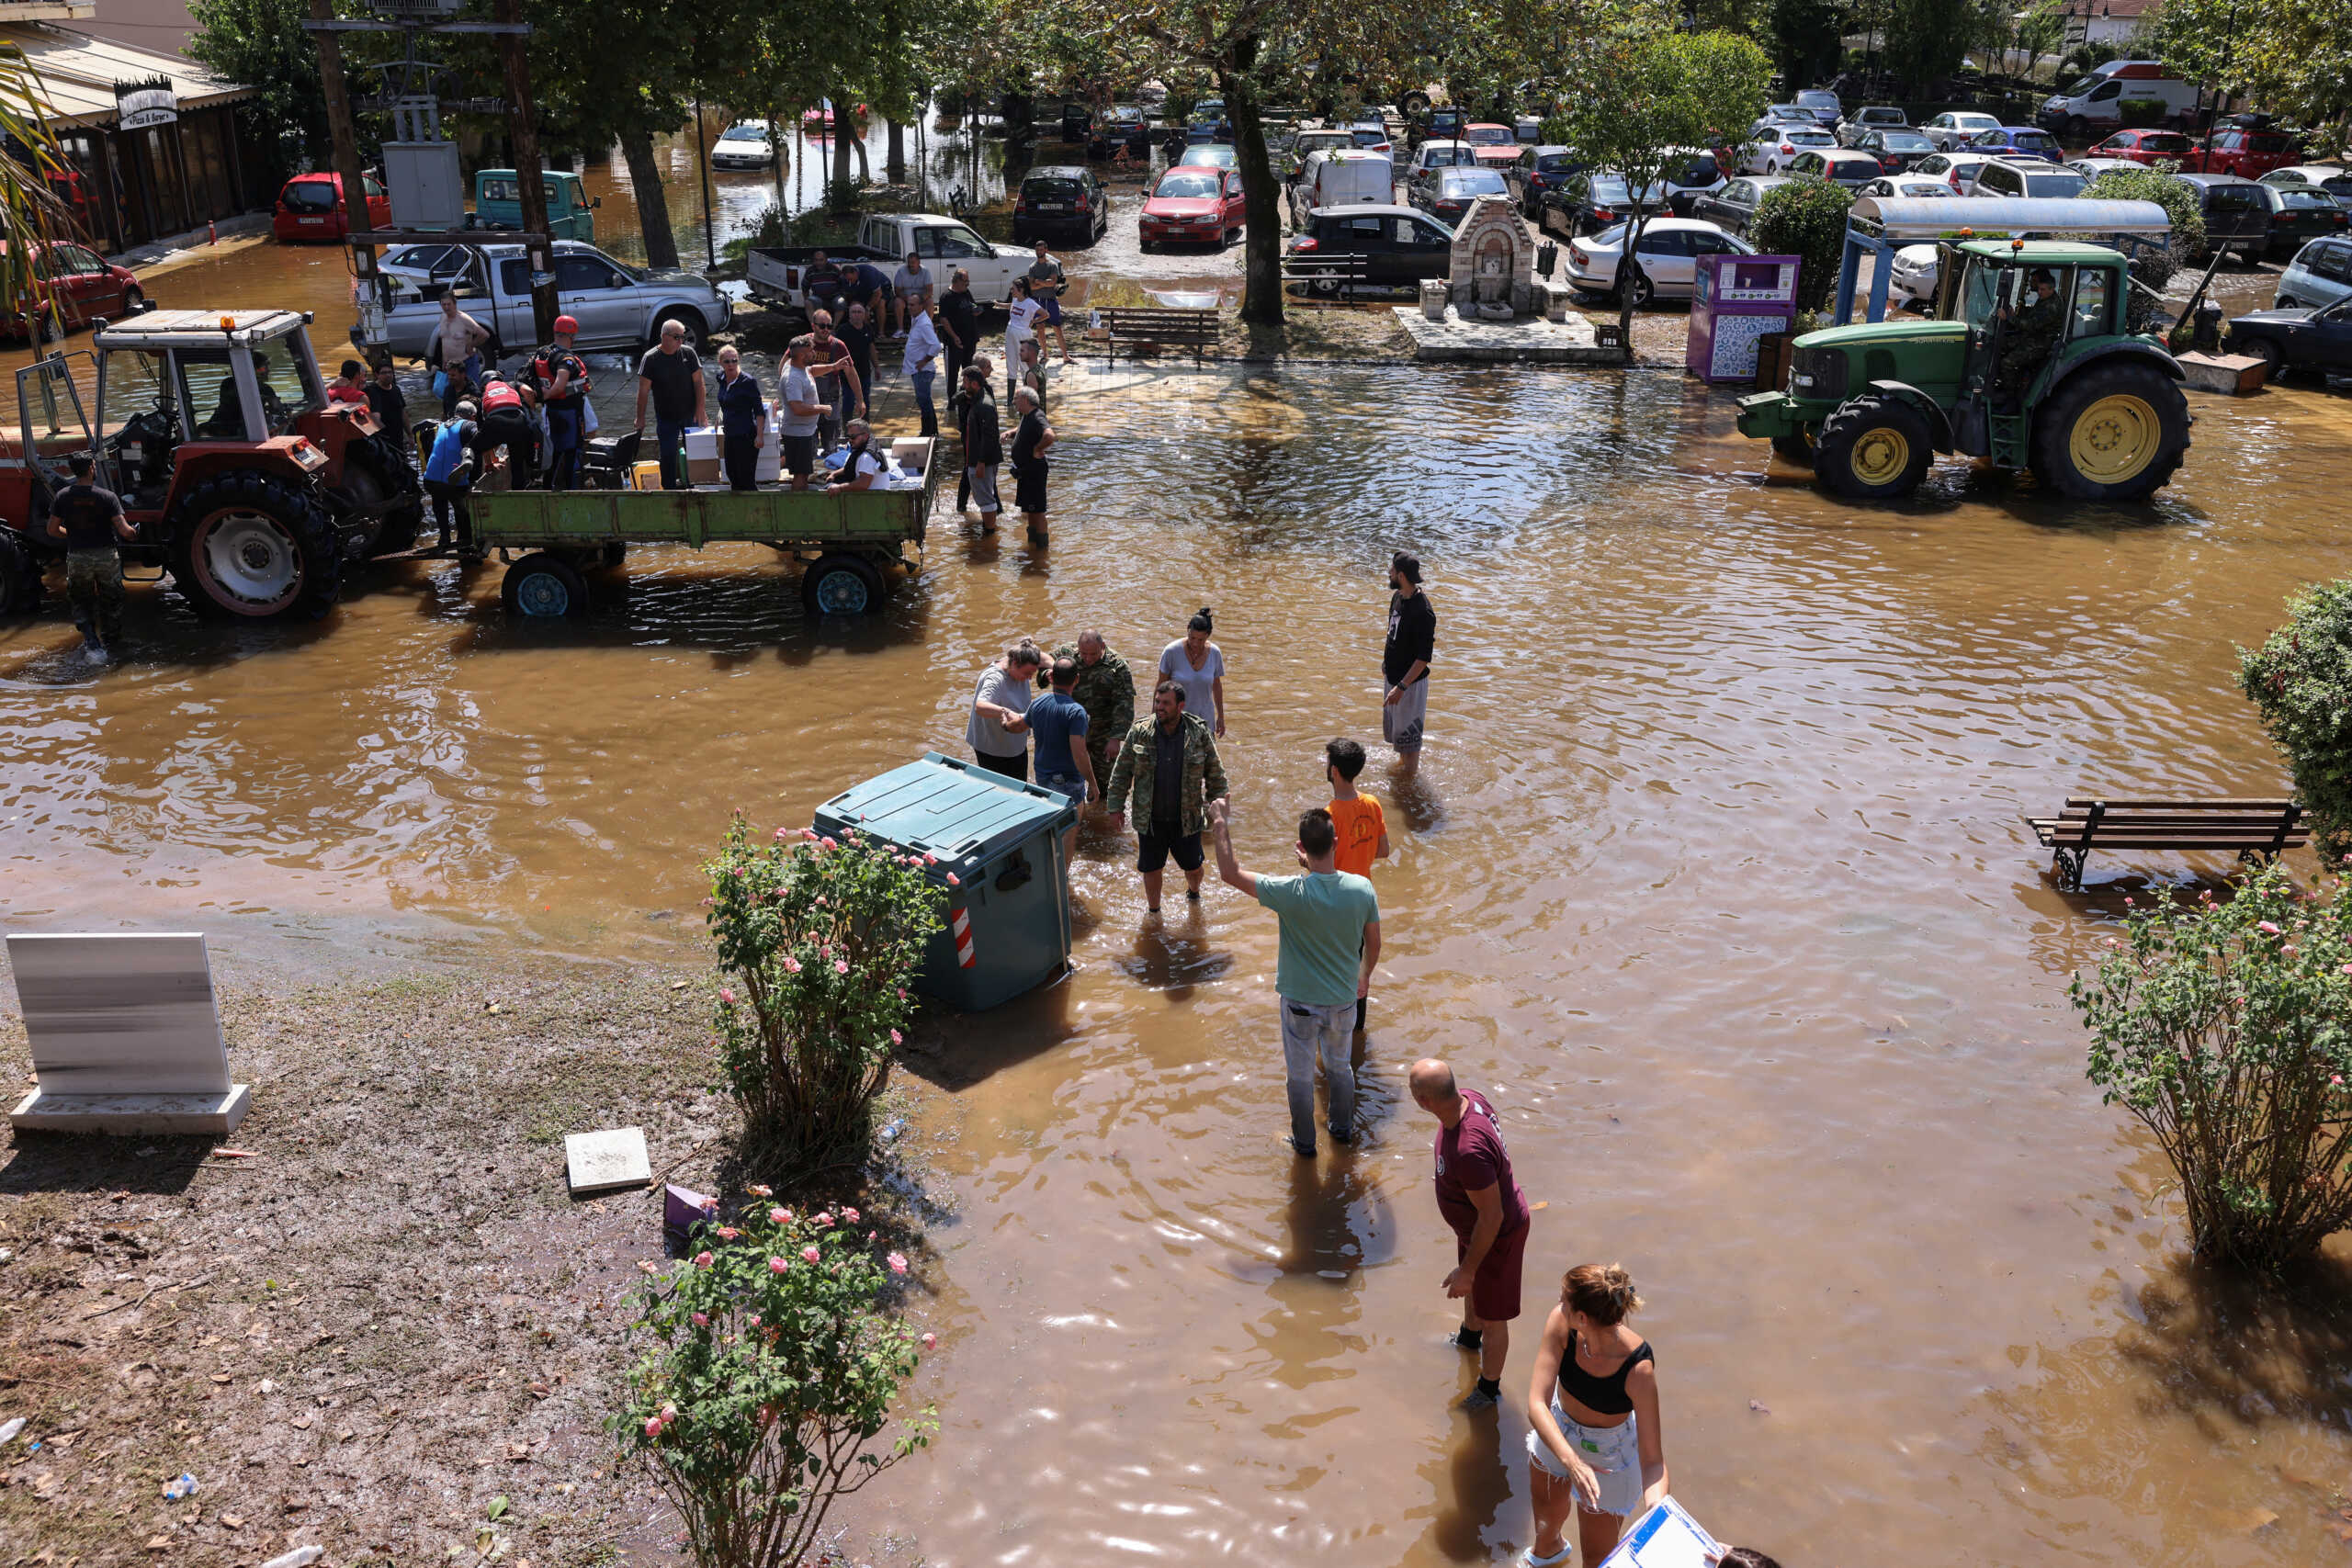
<point x="1058" y="722"/>
<point x="1331" y="943"/>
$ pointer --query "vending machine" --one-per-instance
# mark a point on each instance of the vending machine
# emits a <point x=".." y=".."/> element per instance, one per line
<point x="1739" y="300"/>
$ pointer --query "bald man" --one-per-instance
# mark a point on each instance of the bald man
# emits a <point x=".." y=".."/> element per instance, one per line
<point x="1480" y="1197"/>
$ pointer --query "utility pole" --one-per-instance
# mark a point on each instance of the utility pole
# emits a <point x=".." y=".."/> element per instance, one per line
<point x="523" y="126"/>
<point x="344" y="132"/>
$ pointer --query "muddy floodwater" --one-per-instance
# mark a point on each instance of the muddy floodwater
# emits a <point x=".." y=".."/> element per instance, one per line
<point x="1714" y="879"/>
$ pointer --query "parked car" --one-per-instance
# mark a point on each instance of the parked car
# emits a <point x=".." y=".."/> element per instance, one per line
<point x="1120" y="124"/>
<point x="1876" y="117"/>
<point x="1895" y="150"/>
<point x="1823" y="105"/>
<point x="1307" y="143"/>
<point x="1447" y="194"/>
<point x="2145" y="147"/>
<point x="1590" y="201"/>
<point x="498" y="202"/>
<point x="1956" y="127"/>
<point x="2028" y="177"/>
<point x="81" y="285"/>
<point x="2336" y="182"/>
<point x="746" y="144"/>
<point x="1666" y="261"/>
<point x="1691" y="173"/>
<point x="1787" y="114"/>
<point x="1192" y="205"/>
<point x="2236" y="211"/>
<point x="1527" y="130"/>
<point x="1445" y="125"/>
<point x="617" y="307"/>
<point x="2307" y="339"/>
<point x="2018" y="142"/>
<point x="2236" y="150"/>
<point x="1535" y="170"/>
<point x="1911" y="277"/>
<point x="1342" y="177"/>
<point x="1210" y="155"/>
<point x="2095" y="103"/>
<point x="1063" y="202"/>
<point x="1840" y="166"/>
<point x="1207" y="122"/>
<point x="2091" y="168"/>
<point x="777" y="273"/>
<point x="1371" y="135"/>
<point x="1433" y="154"/>
<point x="2321" y="274"/>
<point x="1399" y="246"/>
<point x="310" y="207"/>
<point x="1957" y="170"/>
<point x="1907" y="188"/>
<point x="2299" y="214"/>
<point x="1495" y="144"/>
<point x="1772" y="152"/>
<point x="1733" y="208"/>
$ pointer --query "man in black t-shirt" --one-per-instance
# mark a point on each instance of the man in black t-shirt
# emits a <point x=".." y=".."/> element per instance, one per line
<point x="91" y="523"/>
<point x="959" y="325"/>
<point x="671" y="374"/>
<point x="858" y="332"/>
<point x="1405" y="661"/>
<point x="388" y="404"/>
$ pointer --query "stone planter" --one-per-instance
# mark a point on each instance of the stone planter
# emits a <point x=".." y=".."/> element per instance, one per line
<point x="1435" y="291"/>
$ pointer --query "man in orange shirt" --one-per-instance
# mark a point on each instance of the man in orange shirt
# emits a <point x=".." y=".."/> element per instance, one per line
<point x="1362" y="827"/>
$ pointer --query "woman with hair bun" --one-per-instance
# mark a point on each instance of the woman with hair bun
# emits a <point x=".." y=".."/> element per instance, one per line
<point x="1195" y="663"/>
<point x="1593" y="1405"/>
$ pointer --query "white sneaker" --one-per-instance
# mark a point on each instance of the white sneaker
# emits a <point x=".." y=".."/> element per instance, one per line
<point x="1529" y="1560"/>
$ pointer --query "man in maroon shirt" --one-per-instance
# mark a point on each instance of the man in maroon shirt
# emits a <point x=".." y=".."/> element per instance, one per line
<point x="1480" y="1197"/>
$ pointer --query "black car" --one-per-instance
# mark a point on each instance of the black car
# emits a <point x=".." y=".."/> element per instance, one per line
<point x="1447" y="194"/>
<point x="1732" y="208"/>
<point x="1062" y="201"/>
<point x="2235" y="211"/>
<point x="1124" y="126"/>
<point x="1587" y="201"/>
<point x="1445" y="125"/>
<point x="1536" y="170"/>
<point x="2299" y="214"/>
<point x="1895" y="150"/>
<point x="1397" y="247"/>
<point x="2297" y="340"/>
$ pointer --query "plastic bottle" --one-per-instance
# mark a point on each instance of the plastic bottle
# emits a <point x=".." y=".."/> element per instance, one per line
<point x="176" y="1490"/>
<point x="300" y="1557"/>
<point x="8" y="1432"/>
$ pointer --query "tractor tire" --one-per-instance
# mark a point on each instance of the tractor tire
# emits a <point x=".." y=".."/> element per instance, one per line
<point x="1414" y="104"/>
<point x="20" y="577"/>
<point x="544" y="587"/>
<point x="2112" y="432"/>
<point x="1873" y="448"/>
<point x="395" y="527"/>
<point x="252" y="545"/>
<point x="1797" y="449"/>
<point x="842" y="585"/>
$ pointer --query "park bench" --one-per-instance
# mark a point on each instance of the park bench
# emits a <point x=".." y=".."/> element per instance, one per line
<point x="2257" y="829"/>
<point x="1167" y="325"/>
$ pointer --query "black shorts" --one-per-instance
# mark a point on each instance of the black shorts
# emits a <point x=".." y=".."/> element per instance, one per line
<point x="1029" y="487"/>
<point x="799" y="454"/>
<point x="1152" y="849"/>
<point x="1015" y="766"/>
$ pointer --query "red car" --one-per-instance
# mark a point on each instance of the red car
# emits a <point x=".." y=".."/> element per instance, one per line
<point x="2145" y="147"/>
<point x="1193" y="205"/>
<point x="1495" y="146"/>
<point x="2249" y="155"/>
<point x="310" y="208"/>
<point x="84" y="285"/>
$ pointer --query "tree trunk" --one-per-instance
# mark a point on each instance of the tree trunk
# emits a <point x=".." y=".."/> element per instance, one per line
<point x="840" y="181"/>
<point x="775" y="135"/>
<point x="897" y="157"/>
<point x="1262" y="286"/>
<point x="652" y="208"/>
<point x="1625" y="271"/>
<point x="857" y="146"/>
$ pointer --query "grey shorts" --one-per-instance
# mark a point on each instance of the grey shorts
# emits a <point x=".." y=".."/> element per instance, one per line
<point x="1401" y="721"/>
<point x="1613" y="1452"/>
<point x="984" y="488"/>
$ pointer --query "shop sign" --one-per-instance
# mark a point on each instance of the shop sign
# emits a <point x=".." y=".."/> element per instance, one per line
<point x="141" y="105"/>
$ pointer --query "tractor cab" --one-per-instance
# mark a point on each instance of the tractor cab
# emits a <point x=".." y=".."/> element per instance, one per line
<point x="2026" y="307"/>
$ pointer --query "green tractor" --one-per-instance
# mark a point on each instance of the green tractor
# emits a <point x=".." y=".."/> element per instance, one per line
<point x="2027" y="363"/>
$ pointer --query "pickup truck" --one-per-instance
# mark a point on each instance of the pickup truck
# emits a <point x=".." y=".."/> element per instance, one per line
<point x="498" y="203"/>
<point x="617" y="307"/>
<point x="884" y="240"/>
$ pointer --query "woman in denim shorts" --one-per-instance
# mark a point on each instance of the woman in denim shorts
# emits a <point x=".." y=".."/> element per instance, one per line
<point x="1593" y="1407"/>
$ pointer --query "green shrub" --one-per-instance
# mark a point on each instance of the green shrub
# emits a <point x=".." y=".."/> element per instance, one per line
<point x="2153" y="266"/>
<point x="1805" y="217"/>
<point x="769" y="1370"/>
<point x="818" y="940"/>
<point x="2223" y="1027"/>
<point x="2138" y="112"/>
<point x="2301" y="682"/>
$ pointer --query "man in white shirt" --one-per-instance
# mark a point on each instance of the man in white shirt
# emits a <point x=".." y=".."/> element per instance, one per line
<point x="921" y="363"/>
<point x="911" y="288"/>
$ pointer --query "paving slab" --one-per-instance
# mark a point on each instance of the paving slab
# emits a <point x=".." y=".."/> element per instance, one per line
<point x="1533" y="341"/>
<point x="607" y="1161"/>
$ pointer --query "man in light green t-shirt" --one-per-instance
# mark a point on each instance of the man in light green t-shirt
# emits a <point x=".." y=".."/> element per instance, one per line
<point x="1330" y="941"/>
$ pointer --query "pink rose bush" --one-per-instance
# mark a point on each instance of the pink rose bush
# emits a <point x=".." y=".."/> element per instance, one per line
<point x="816" y="941"/>
<point x="749" y="1428"/>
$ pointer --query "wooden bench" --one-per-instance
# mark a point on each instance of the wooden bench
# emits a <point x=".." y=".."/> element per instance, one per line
<point x="1174" y="326"/>
<point x="2257" y="829"/>
<point x="1333" y="275"/>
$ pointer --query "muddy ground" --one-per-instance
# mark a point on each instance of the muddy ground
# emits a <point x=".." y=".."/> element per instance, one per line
<point x="389" y="1331"/>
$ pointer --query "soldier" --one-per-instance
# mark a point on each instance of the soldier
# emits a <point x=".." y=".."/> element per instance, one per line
<point x="1106" y="690"/>
<point x="91" y="523"/>
<point x="1175" y="747"/>
<point x="2033" y="331"/>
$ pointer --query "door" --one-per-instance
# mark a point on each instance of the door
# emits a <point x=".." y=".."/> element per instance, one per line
<point x="97" y="292"/>
<point x="596" y="293"/>
<point x="1424" y="249"/>
<point x="1236" y="207"/>
<point x="50" y="416"/>
<point x="1665" y="258"/>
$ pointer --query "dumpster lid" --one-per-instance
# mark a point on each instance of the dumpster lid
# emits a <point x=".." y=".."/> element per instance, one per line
<point x="945" y="806"/>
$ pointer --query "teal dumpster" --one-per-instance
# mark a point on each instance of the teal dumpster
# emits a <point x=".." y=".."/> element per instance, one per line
<point x="1008" y="905"/>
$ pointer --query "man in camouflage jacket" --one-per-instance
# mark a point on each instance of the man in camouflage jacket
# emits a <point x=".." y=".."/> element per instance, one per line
<point x="1166" y="826"/>
<point x="1106" y="689"/>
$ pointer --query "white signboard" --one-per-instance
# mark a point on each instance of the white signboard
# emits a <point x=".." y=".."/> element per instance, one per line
<point x="145" y="103"/>
<point x="1666" y="1537"/>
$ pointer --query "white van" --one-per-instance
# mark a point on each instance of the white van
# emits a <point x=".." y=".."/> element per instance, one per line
<point x="1341" y="177"/>
<point x="2092" y="105"/>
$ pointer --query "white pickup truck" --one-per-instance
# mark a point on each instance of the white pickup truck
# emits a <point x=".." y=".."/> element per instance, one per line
<point x="618" y="307"/>
<point x="777" y="273"/>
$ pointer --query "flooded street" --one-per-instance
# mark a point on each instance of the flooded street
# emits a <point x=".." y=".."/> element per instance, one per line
<point x="1714" y="880"/>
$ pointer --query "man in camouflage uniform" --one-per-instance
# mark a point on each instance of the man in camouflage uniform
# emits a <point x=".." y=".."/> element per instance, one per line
<point x="1171" y="748"/>
<point x="1106" y="689"/>
<point x="90" y="522"/>
<point x="2033" y="331"/>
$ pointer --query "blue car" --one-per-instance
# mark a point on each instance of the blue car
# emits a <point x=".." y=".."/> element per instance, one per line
<point x="2017" y="142"/>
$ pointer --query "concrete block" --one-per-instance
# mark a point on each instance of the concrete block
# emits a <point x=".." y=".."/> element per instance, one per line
<point x="2230" y="375"/>
<point x="607" y="1161"/>
<point x="116" y="1013"/>
<point x="132" y="1115"/>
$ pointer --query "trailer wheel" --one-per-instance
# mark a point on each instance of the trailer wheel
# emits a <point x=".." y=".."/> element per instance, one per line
<point x="842" y="585"/>
<point x="20" y="577"/>
<point x="544" y="587"/>
<point x="255" y="545"/>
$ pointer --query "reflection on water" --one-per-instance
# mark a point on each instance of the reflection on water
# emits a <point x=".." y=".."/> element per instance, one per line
<point x="1714" y="879"/>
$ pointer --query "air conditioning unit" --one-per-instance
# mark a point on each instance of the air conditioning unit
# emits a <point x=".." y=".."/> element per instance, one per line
<point x="419" y="10"/>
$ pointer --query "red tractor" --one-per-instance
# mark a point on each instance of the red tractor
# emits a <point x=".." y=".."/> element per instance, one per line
<point x="246" y="485"/>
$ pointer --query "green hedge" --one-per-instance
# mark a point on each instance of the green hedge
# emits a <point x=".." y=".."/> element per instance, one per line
<point x="1807" y="219"/>
<point x="2140" y="112"/>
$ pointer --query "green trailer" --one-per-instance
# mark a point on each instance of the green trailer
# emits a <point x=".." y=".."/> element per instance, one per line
<point x="856" y="540"/>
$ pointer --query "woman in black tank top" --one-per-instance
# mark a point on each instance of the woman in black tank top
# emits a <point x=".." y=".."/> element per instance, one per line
<point x="1597" y="1444"/>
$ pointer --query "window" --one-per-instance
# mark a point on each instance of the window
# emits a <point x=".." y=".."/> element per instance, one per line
<point x="1997" y="181"/>
<point x="576" y="272"/>
<point x="308" y="195"/>
<point x="1666" y="242"/>
<point x="514" y="277"/>
<point x="80" y="260"/>
<point x="957" y="241"/>
<point x="289" y="385"/>
<point x="2093" y="306"/>
<point x="136" y="388"/>
<point x="2332" y="262"/>
<point x="209" y="394"/>
<point x="2101" y="94"/>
